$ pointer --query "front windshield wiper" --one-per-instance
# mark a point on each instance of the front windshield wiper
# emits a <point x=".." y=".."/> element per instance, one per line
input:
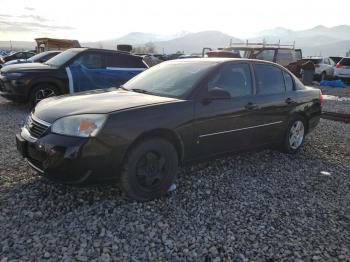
<point x="138" y="90"/>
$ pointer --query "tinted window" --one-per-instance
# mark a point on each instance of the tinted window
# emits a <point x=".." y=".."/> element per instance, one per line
<point x="316" y="61"/>
<point x="285" y="57"/>
<point x="345" y="62"/>
<point x="288" y="81"/>
<point x="234" y="78"/>
<point x="28" y="55"/>
<point x="91" y="60"/>
<point x="124" y="60"/>
<point x="266" y="55"/>
<point x="269" y="79"/>
<point x="19" y="56"/>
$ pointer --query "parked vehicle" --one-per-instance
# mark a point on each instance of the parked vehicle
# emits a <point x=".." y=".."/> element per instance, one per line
<point x="39" y="58"/>
<point x="188" y="56"/>
<point x="278" y="53"/>
<point x="324" y="67"/>
<point x="342" y="69"/>
<point x="16" y="56"/>
<point x="175" y="112"/>
<point x="336" y="59"/>
<point x="74" y="70"/>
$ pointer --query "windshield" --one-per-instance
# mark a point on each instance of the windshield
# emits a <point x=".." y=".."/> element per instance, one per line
<point x="37" y="57"/>
<point x="316" y="60"/>
<point x="62" y="58"/>
<point x="170" y="79"/>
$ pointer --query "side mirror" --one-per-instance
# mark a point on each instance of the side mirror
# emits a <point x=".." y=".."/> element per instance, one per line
<point x="218" y="93"/>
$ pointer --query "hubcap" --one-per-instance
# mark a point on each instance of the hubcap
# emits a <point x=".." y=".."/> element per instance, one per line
<point x="150" y="170"/>
<point x="296" y="134"/>
<point x="43" y="93"/>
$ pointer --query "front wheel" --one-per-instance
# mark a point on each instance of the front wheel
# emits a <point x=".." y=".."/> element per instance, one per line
<point x="149" y="169"/>
<point x="295" y="135"/>
<point x="41" y="92"/>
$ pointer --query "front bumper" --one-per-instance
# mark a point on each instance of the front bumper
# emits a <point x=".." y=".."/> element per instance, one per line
<point x="66" y="159"/>
<point x="16" y="89"/>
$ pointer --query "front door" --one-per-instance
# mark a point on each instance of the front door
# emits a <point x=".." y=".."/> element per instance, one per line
<point x="224" y="125"/>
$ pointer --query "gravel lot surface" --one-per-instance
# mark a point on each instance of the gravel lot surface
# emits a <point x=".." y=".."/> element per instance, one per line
<point x="336" y="99"/>
<point x="262" y="206"/>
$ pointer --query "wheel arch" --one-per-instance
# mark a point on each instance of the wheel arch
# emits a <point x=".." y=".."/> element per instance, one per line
<point x="48" y="81"/>
<point x="167" y="134"/>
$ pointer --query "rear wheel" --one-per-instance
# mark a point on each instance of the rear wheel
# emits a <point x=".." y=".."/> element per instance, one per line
<point x="149" y="169"/>
<point x="295" y="135"/>
<point x="41" y="92"/>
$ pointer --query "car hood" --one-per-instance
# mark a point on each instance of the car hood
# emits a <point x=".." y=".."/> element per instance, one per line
<point x="95" y="102"/>
<point x="17" y="61"/>
<point x="26" y="67"/>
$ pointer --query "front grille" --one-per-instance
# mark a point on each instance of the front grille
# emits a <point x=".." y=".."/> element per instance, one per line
<point x="36" y="128"/>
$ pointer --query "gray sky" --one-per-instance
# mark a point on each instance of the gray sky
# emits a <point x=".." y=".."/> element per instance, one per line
<point x="99" y="20"/>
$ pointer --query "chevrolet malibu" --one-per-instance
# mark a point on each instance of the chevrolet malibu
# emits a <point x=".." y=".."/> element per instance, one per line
<point x="176" y="112"/>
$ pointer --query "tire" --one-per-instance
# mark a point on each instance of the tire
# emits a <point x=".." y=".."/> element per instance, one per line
<point x="149" y="169"/>
<point x="323" y="76"/>
<point x="295" y="135"/>
<point x="41" y="92"/>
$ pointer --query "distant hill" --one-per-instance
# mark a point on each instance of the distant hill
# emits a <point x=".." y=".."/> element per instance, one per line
<point x="319" y="40"/>
<point x="134" y="38"/>
<point x="193" y="43"/>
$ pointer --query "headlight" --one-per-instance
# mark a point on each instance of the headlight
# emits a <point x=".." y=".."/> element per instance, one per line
<point x="79" y="125"/>
<point x="14" y="75"/>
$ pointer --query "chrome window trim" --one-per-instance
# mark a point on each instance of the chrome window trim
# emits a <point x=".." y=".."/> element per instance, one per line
<point x="239" y="129"/>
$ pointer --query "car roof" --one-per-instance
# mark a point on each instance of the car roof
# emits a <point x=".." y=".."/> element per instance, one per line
<point x="218" y="60"/>
<point x="82" y="49"/>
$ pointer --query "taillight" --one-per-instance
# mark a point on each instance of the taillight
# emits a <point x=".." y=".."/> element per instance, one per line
<point x="317" y="65"/>
<point x="339" y="66"/>
<point x="321" y="98"/>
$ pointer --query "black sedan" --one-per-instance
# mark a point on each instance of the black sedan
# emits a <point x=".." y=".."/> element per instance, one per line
<point x="173" y="113"/>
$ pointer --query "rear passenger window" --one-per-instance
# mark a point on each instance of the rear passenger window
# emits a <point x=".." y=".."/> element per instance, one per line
<point x="234" y="78"/>
<point x="124" y="61"/>
<point x="288" y="81"/>
<point x="269" y="79"/>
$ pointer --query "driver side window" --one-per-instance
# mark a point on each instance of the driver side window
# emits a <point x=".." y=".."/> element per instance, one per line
<point x="91" y="61"/>
<point x="233" y="78"/>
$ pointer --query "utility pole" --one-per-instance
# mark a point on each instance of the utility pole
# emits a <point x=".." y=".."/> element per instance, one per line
<point x="11" y="45"/>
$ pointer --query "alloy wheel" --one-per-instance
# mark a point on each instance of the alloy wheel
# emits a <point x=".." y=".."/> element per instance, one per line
<point x="296" y="134"/>
<point x="44" y="93"/>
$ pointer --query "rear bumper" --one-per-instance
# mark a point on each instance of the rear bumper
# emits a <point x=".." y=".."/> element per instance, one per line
<point x="69" y="160"/>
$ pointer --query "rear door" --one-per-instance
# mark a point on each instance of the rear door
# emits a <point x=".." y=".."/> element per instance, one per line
<point x="224" y="125"/>
<point x="272" y="102"/>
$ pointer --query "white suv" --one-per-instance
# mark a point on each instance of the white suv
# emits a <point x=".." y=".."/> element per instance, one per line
<point x="342" y="69"/>
<point x="324" y="67"/>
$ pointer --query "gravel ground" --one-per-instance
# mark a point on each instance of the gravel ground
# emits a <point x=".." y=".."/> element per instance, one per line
<point x="261" y="206"/>
<point x="336" y="99"/>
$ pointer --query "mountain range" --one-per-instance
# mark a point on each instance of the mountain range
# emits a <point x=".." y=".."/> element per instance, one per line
<point x="320" y="40"/>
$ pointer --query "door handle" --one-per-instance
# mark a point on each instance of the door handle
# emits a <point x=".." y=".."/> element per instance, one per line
<point x="251" y="106"/>
<point x="290" y="101"/>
